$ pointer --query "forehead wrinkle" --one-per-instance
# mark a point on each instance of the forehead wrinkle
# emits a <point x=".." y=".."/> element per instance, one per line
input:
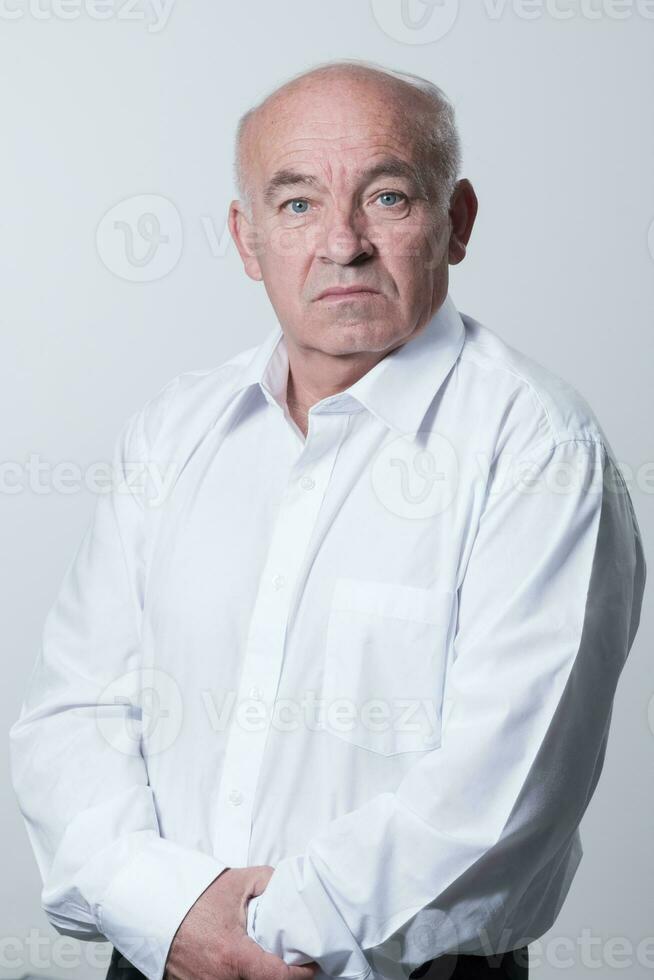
<point x="384" y="140"/>
<point x="390" y="164"/>
<point x="291" y="178"/>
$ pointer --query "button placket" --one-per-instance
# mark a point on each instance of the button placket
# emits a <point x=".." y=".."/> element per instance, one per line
<point x="262" y="664"/>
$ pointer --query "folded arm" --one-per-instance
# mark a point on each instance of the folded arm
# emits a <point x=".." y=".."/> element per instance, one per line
<point x="548" y="609"/>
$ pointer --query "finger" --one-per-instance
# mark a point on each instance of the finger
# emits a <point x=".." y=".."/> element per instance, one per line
<point x="260" y="880"/>
<point x="256" y="963"/>
<point x="306" y="971"/>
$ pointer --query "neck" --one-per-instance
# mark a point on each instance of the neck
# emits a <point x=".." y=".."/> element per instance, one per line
<point x="314" y="375"/>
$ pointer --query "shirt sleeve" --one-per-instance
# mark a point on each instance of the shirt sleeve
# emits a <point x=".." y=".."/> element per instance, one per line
<point x="548" y="608"/>
<point x="81" y="784"/>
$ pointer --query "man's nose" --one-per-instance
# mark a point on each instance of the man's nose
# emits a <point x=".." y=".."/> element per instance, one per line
<point x="344" y="238"/>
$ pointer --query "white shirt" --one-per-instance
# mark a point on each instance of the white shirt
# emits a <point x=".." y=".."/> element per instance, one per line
<point x="381" y="659"/>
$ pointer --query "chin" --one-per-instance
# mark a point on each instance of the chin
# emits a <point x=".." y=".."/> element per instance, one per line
<point x="356" y="336"/>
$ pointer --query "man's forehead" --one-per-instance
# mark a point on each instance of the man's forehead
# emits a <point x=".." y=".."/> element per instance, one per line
<point x="355" y="151"/>
<point x="327" y="151"/>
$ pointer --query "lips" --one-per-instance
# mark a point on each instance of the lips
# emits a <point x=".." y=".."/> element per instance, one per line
<point x="336" y="291"/>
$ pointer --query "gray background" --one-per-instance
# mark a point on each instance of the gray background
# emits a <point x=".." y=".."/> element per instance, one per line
<point x="554" y="105"/>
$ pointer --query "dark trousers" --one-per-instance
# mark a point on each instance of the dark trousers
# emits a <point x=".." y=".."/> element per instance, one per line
<point x="513" y="965"/>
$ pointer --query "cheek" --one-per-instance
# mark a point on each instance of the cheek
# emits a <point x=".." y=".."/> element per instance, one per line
<point x="285" y="272"/>
<point x="286" y="249"/>
<point x="411" y="250"/>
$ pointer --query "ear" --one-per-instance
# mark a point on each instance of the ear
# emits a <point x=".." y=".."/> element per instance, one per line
<point x="243" y="231"/>
<point x="463" y="211"/>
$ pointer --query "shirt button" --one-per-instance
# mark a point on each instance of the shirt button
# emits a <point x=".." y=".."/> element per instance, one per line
<point x="256" y="693"/>
<point x="278" y="581"/>
<point x="307" y="483"/>
<point x="235" y="797"/>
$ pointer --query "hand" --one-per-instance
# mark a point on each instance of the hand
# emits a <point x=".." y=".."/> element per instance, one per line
<point x="212" y="943"/>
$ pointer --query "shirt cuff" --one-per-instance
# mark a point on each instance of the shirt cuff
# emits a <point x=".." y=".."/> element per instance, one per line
<point x="148" y="899"/>
<point x="297" y="920"/>
<point x="251" y="915"/>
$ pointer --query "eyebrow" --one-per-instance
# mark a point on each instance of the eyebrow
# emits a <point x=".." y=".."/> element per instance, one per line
<point x="388" y="167"/>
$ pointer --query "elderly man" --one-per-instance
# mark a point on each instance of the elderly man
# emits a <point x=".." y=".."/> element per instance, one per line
<point x="336" y="702"/>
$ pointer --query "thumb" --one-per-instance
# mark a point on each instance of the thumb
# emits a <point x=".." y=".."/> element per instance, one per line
<point x="259" y="881"/>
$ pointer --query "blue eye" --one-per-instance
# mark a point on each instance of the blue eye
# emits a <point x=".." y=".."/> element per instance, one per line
<point x="299" y="205"/>
<point x="388" y="194"/>
<point x="297" y="200"/>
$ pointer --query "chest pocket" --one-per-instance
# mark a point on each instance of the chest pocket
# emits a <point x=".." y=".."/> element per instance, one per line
<point x="385" y="663"/>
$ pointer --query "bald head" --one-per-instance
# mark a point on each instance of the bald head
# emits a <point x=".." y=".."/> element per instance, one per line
<point x="420" y="111"/>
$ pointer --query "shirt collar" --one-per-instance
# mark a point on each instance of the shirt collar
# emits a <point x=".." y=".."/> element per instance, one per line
<point x="397" y="390"/>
